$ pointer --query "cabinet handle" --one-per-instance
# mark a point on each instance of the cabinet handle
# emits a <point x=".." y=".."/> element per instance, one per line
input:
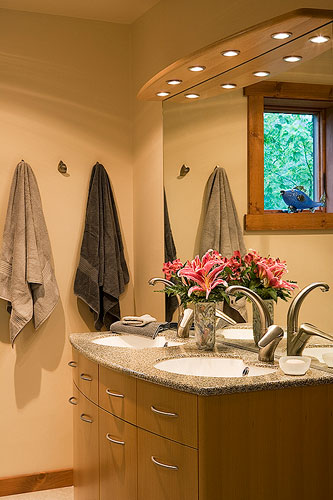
<point x="73" y="400"/>
<point x="86" y="377"/>
<point x="114" y="394"/>
<point x="165" y="413"/>
<point x="86" y="418"/>
<point x="109" y="438"/>
<point x="72" y="364"/>
<point x="172" y="467"/>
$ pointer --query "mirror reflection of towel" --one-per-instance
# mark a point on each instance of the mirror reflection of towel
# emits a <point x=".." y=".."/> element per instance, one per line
<point x="170" y="254"/>
<point x="221" y="229"/>
<point x="102" y="272"/>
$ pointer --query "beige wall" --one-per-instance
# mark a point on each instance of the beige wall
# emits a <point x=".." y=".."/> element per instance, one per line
<point x="214" y="132"/>
<point x="64" y="94"/>
<point x="169" y="31"/>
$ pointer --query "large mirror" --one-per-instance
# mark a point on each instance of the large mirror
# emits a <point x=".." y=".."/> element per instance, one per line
<point x="204" y="133"/>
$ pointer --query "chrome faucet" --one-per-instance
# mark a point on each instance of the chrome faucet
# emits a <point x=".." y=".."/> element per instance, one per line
<point x="297" y="337"/>
<point x="185" y="317"/>
<point x="183" y="327"/>
<point x="270" y="334"/>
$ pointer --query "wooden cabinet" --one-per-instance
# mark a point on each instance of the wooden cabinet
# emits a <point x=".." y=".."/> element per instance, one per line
<point x="167" y="412"/>
<point x="86" y="453"/>
<point x="148" y="442"/>
<point x="166" y="470"/>
<point x="118" y="458"/>
<point x="117" y="394"/>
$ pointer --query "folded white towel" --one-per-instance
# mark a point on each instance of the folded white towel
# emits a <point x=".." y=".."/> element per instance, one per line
<point x="143" y="320"/>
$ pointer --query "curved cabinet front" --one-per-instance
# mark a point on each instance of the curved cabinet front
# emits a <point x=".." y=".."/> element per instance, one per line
<point x="118" y="458"/>
<point x="86" y="455"/>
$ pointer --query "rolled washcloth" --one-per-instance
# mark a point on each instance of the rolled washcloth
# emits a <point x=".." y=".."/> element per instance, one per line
<point x="141" y="321"/>
<point x="150" y="330"/>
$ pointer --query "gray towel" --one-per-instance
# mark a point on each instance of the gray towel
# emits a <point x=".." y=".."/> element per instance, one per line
<point x="27" y="279"/>
<point x="221" y="229"/>
<point x="102" y="272"/>
<point x="150" y="330"/>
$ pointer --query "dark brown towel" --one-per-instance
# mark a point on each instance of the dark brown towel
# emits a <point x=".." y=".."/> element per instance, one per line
<point x="170" y="254"/>
<point x="102" y="272"/>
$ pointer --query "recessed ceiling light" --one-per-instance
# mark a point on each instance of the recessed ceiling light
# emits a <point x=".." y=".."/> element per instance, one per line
<point x="319" y="39"/>
<point x="292" y="58"/>
<point x="261" y="73"/>
<point x="174" y="82"/>
<point x="228" y="85"/>
<point x="197" y="68"/>
<point x="192" y="96"/>
<point x="162" y="94"/>
<point x="230" y="53"/>
<point x="281" y="36"/>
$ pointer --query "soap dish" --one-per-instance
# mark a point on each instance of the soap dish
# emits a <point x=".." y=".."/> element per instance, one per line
<point x="294" y="365"/>
<point x="328" y="359"/>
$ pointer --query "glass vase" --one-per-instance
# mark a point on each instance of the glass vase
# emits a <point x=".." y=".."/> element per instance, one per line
<point x="204" y="325"/>
<point x="256" y="319"/>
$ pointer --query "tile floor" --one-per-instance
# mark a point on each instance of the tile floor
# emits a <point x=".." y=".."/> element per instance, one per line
<point x="59" y="494"/>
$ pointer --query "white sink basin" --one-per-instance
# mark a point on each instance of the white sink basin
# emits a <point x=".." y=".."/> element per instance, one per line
<point x="210" y="367"/>
<point x="316" y="352"/>
<point x="237" y="333"/>
<point x="134" y="341"/>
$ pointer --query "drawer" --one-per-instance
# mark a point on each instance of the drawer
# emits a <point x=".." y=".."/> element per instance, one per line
<point x="86" y="377"/>
<point x="73" y="364"/>
<point x="166" y="470"/>
<point x="117" y="394"/>
<point x="167" y="412"/>
<point x="118" y="458"/>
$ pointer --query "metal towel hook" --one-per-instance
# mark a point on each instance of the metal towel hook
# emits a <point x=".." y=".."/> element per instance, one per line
<point x="62" y="167"/>
<point x="183" y="171"/>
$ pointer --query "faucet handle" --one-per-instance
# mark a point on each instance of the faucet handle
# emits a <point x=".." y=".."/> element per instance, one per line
<point x="273" y="332"/>
<point x="308" y="329"/>
<point x="269" y="342"/>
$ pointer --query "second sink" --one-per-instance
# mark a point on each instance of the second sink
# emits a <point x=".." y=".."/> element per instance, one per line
<point x="135" y="341"/>
<point x="211" y="367"/>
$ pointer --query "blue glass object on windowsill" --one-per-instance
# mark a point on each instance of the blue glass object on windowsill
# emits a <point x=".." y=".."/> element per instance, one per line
<point x="297" y="200"/>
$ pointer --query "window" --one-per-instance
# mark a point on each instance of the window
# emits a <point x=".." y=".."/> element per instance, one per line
<point x="291" y="156"/>
<point x="289" y="142"/>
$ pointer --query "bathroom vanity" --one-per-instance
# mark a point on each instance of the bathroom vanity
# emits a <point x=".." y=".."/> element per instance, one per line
<point x="141" y="433"/>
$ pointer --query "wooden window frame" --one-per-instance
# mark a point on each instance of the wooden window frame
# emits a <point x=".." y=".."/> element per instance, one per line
<point x="257" y="218"/>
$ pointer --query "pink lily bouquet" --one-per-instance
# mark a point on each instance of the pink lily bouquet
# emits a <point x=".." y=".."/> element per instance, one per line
<point x="199" y="280"/>
<point x="263" y="275"/>
<point x="205" y="280"/>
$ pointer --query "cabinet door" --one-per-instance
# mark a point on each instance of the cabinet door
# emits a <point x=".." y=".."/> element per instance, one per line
<point x="86" y="455"/>
<point x="117" y="394"/>
<point x="118" y="458"/>
<point x="166" y="470"/>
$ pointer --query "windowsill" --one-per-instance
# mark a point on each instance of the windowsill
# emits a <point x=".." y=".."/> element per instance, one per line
<point x="276" y="221"/>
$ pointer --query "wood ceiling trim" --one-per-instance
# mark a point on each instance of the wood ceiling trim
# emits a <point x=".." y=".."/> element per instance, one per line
<point x="253" y="43"/>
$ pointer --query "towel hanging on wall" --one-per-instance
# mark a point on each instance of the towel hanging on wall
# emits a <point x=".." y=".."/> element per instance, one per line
<point x="27" y="279"/>
<point x="102" y="272"/>
<point x="221" y="228"/>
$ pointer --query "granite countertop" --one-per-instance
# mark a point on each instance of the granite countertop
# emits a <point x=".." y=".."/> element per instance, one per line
<point x="140" y="364"/>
